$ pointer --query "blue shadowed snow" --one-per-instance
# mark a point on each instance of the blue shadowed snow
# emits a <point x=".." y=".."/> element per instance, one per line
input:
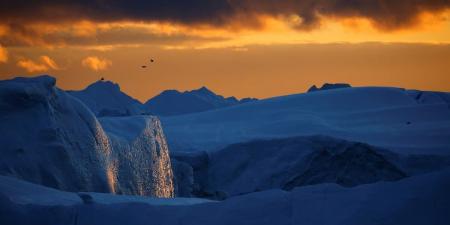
<point x="417" y="200"/>
<point x="51" y="138"/>
<point x="387" y="117"/>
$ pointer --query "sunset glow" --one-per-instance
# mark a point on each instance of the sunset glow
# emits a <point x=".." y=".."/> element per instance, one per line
<point x="225" y="112"/>
<point x="81" y="49"/>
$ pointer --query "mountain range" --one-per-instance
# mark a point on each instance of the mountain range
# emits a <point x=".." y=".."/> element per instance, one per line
<point x="173" y="102"/>
<point x="105" y="98"/>
<point x="328" y="86"/>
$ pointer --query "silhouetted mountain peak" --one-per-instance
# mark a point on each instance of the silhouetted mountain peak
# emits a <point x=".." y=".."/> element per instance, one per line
<point x="104" y="85"/>
<point x="203" y="88"/>
<point x="173" y="102"/>
<point x="170" y="92"/>
<point x="203" y="91"/>
<point x="232" y="98"/>
<point x="105" y="98"/>
<point x="329" y="86"/>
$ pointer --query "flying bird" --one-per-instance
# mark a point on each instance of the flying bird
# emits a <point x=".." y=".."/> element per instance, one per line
<point x="145" y="66"/>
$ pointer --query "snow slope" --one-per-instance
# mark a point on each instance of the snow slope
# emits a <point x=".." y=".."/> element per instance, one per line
<point x="287" y="163"/>
<point x="417" y="200"/>
<point x="22" y="192"/>
<point x="387" y="117"/>
<point x="105" y="98"/>
<point x="49" y="137"/>
<point x="173" y="102"/>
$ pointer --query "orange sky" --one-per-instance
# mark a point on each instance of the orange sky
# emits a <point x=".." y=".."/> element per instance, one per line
<point x="269" y="59"/>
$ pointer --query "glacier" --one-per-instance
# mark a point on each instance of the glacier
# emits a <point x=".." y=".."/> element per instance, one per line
<point x="400" y="120"/>
<point x="365" y="155"/>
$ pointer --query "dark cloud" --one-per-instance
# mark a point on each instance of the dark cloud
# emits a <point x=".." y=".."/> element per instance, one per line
<point x="183" y="11"/>
<point x="91" y="35"/>
<point x="386" y="14"/>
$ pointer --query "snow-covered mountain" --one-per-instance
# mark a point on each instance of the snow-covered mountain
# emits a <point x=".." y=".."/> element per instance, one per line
<point x="49" y="137"/>
<point x="173" y="102"/>
<point x="416" y="200"/>
<point x="398" y="119"/>
<point x="105" y="98"/>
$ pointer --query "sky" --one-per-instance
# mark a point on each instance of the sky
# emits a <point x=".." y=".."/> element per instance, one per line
<point x="245" y="48"/>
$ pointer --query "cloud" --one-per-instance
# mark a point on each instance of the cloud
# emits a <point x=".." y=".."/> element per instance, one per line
<point x="49" y="62"/>
<point x="96" y="64"/>
<point x="385" y="14"/>
<point x="3" y="55"/>
<point x="103" y="25"/>
<point x="90" y="34"/>
<point x="45" y="63"/>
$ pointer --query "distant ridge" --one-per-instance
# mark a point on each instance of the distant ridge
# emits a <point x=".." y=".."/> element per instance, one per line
<point x="173" y="102"/>
<point x="105" y="98"/>
<point x="328" y="86"/>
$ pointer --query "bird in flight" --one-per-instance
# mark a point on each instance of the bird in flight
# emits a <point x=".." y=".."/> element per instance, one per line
<point x="145" y="66"/>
